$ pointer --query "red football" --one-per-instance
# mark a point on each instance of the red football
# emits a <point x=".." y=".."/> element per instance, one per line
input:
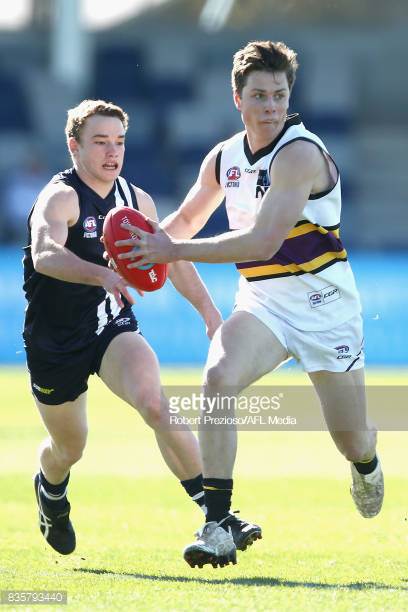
<point x="149" y="277"/>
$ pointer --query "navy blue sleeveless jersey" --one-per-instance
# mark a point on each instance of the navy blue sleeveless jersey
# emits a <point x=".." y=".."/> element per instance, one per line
<point x="62" y="316"/>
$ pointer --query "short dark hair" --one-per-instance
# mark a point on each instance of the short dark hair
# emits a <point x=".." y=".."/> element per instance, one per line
<point x="78" y="115"/>
<point x="263" y="55"/>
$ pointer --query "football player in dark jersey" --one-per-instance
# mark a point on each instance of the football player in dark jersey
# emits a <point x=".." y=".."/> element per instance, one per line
<point x="79" y="319"/>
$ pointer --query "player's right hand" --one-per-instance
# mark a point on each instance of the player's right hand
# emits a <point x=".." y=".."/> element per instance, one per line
<point x="112" y="265"/>
<point x="111" y="262"/>
<point x="113" y="283"/>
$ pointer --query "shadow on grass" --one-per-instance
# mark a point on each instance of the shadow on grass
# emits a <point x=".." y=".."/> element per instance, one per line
<point x="256" y="581"/>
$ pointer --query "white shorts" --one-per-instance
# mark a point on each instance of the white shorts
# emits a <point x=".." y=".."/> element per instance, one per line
<point x="339" y="349"/>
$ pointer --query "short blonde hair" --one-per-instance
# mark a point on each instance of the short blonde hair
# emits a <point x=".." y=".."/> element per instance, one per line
<point x="78" y="115"/>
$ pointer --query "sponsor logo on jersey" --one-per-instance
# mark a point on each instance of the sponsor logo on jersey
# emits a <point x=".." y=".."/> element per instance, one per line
<point x="342" y="351"/>
<point x="43" y="389"/>
<point x="90" y="227"/>
<point x="325" y="296"/>
<point x="122" y="321"/>
<point x="250" y="170"/>
<point x="153" y="276"/>
<point x="233" y="176"/>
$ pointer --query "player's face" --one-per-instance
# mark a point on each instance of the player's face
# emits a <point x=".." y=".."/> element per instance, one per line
<point x="100" y="150"/>
<point x="263" y="103"/>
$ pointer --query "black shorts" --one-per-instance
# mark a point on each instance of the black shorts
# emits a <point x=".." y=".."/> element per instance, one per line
<point x="61" y="377"/>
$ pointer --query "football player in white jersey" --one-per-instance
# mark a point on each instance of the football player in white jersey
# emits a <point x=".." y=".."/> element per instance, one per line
<point x="296" y="297"/>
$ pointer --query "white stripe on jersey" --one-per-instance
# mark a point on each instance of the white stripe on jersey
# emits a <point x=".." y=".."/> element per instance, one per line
<point x="115" y="308"/>
<point x="107" y="310"/>
<point x="118" y="198"/>
<point x="126" y="190"/>
<point x="102" y="315"/>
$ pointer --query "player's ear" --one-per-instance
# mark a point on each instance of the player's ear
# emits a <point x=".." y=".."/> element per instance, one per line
<point x="72" y="145"/>
<point x="237" y="100"/>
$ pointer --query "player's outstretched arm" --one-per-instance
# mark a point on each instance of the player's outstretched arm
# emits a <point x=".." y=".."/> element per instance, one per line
<point x="293" y="174"/>
<point x="56" y="210"/>
<point x="201" y="201"/>
<point x="185" y="277"/>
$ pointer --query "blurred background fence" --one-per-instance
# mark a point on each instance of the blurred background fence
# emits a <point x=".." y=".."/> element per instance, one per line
<point x="168" y="63"/>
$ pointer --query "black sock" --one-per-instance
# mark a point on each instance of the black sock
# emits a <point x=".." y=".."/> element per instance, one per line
<point x="194" y="488"/>
<point x="54" y="495"/>
<point x="366" y="467"/>
<point x="218" y="492"/>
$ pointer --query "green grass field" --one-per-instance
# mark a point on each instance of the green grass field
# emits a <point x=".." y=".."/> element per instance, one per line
<point x="132" y="518"/>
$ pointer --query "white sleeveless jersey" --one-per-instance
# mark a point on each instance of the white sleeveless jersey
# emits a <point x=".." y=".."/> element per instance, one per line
<point x="308" y="282"/>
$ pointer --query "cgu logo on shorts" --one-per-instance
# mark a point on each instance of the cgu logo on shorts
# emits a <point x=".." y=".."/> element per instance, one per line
<point x="324" y="296"/>
<point x="233" y="176"/>
<point x="342" y="351"/>
<point x="90" y="226"/>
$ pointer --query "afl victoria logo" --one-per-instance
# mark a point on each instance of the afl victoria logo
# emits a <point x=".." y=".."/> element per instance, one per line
<point x="234" y="173"/>
<point x="90" y="224"/>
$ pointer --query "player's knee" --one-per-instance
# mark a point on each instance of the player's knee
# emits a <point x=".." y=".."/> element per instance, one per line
<point x="149" y="404"/>
<point x="71" y="454"/>
<point x="219" y="377"/>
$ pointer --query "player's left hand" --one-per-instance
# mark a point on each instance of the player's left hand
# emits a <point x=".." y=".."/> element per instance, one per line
<point x="151" y="248"/>
<point x="213" y="320"/>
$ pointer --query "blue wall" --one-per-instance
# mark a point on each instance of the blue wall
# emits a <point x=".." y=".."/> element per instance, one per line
<point x="175" y="331"/>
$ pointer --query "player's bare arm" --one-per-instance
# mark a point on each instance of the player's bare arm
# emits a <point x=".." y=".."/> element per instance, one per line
<point x="201" y="201"/>
<point x="56" y="210"/>
<point x="184" y="276"/>
<point x="294" y="174"/>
